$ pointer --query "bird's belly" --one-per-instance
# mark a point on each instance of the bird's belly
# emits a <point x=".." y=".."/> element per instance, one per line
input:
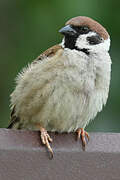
<point x="63" y="106"/>
<point x="66" y="111"/>
<point x="63" y="112"/>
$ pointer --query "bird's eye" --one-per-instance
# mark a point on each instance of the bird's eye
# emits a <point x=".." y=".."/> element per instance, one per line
<point x="85" y="28"/>
<point x="81" y="29"/>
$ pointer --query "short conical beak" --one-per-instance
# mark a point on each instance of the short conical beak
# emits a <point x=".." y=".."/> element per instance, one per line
<point x="67" y="30"/>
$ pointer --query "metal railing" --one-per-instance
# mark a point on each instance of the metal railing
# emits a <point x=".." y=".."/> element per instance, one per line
<point x="22" y="157"/>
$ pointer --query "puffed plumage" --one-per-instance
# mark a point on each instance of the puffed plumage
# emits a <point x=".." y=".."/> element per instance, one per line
<point x="67" y="85"/>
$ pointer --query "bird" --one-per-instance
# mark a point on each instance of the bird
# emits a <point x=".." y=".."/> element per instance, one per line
<point x="65" y="87"/>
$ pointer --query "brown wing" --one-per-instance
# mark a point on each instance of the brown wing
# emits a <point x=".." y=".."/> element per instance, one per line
<point x="48" y="53"/>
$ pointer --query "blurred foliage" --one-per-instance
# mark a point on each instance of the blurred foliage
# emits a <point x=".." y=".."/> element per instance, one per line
<point x="29" y="27"/>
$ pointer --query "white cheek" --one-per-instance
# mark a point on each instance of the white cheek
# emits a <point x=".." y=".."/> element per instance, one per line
<point x="83" y="43"/>
<point x="104" y="46"/>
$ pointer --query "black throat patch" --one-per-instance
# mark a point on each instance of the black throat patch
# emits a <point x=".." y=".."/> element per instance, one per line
<point x="70" y="42"/>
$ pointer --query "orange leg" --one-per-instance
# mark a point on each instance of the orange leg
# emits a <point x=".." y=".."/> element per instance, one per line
<point x="81" y="133"/>
<point x="45" y="138"/>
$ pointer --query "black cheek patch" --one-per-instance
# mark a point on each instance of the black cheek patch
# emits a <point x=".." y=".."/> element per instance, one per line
<point x="93" y="40"/>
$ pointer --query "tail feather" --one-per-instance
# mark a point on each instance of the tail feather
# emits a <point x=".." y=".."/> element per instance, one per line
<point x="14" y="120"/>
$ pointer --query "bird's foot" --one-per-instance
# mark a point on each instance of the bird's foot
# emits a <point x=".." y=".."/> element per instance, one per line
<point x="46" y="139"/>
<point x="81" y="133"/>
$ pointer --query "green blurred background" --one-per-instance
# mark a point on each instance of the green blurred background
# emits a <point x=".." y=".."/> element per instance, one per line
<point x="28" y="27"/>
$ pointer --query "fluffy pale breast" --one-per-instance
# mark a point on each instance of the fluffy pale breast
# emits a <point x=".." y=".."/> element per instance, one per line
<point x="59" y="91"/>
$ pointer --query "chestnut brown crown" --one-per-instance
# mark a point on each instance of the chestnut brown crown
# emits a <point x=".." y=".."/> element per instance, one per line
<point x="90" y="23"/>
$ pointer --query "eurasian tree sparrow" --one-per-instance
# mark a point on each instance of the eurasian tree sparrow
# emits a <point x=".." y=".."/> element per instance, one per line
<point x="67" y="85"/>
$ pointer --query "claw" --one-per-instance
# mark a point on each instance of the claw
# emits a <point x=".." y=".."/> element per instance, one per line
<point x="45" y="138"/>
<point x="81" y="133"/>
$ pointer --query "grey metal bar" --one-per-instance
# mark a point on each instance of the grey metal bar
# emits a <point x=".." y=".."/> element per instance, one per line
<point x="22" y="157"/>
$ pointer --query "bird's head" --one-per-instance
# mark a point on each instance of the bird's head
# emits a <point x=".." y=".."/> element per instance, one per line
<point x="84" y="33"/>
